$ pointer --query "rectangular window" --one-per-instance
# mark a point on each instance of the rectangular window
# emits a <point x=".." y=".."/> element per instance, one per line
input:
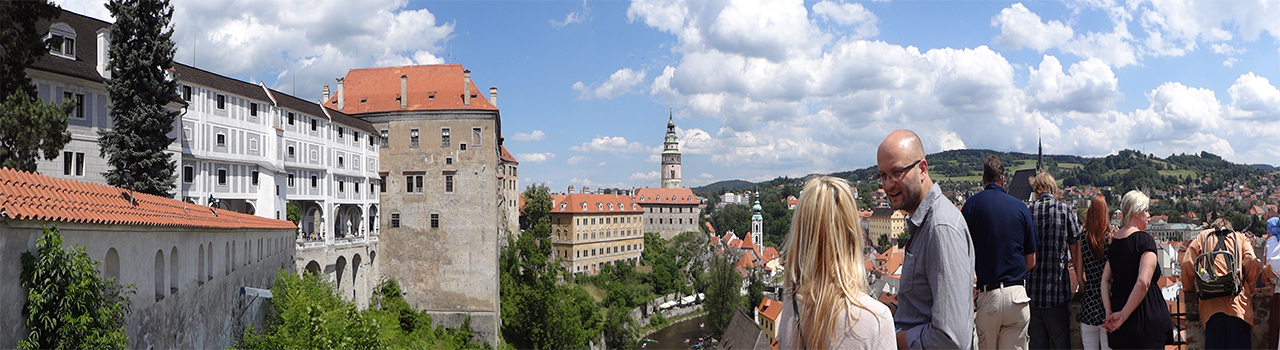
<point x="290" y="180"/>
<point x="253" y="109"/>
<point x="290" y="118"/>
<point x="448" y="183"/>
<point x="291" y="152"/>
<point x="462" y="146"/>
<point x="383" y="134"/>
<point x="444" y="138"/>
<point x="314" y="183"/>
<point x="340" y="162"/>
<point x="80" y="106"/>
<point x="355" y="187"/>
<point x="435" y="220"/>
<point x="69" y="46"/>
<point x="371" y="185"/>
<point x="395" y="220"/>
<point x="222" y="177"/>
<point x="417" y="180"/>
<point x="413" y="138"/>
<point x="186" y="93"/>
<point x="341" y="186"/>
<point x="476" y="136"/>
<point x="448" y="160"/>
<point x="382" y="184"/>
<point x="253" y="177"/>
<point x="79" y="163"/>
<point x="222" y="140"/>
<point x="188" y="174"/>
<point x="340" y="131"/>
<point x="67" y="158"/>
<point x="313" y="125"/>
<point x="222" y="102"/>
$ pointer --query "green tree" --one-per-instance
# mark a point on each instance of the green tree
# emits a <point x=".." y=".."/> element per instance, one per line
<point x="538" y="313"/>
<point x="29" y="129"/>
<point x="308" y="314"/>
<point x="723" y="298"/>
<point x="882" y="243"/>
<point x="69" y="305"/>
<point x="619" y="330"/>
<point x="141" y="54"/>
<point x="293" y="212"/>
<point x="755" y="288"/>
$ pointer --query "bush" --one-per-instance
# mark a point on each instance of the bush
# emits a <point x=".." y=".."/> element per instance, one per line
<point x="69" y="305"/>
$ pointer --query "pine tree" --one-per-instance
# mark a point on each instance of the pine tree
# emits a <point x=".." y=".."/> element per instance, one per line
<point x="29" y="128"/>
<point x="141" y="54"/>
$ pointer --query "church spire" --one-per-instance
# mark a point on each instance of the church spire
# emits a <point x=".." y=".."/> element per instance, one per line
<point x="1040" y="152"/>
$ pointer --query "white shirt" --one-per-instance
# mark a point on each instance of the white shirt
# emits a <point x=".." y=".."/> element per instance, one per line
<point x="1273" y="257"/>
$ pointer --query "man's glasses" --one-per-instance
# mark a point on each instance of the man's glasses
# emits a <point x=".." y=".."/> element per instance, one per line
<point x="897" y="174"/>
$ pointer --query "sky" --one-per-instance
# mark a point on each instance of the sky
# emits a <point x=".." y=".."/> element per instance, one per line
<point x="761" y="89"/>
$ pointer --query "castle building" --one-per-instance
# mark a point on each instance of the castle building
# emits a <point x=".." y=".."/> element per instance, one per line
<point x="886" y="222"/>
<point x="449" y="190"/>
<point x="668" y="211"/>
<point x="238" y="146"/>
<point x="591" y="230"/>
<point x="671" y="157"/>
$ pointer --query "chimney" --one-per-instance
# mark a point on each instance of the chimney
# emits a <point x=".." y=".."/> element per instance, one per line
<point x="325" y="92"/>
<point x="341" y="100"/>
<point x="404" y="91"/>
<point x="493" y="96"/>
<point x="586" y="189"/>
<point x="570" y="191"/>
<point x="466" y="88"/>
<point x="104" y="43"/>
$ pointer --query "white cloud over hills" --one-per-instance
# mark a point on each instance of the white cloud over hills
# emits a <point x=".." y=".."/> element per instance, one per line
<point x="822" y="99"/>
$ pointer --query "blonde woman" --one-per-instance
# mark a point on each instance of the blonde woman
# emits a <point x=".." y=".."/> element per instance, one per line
<point x="825" y="303"/>
<point x="1137" y="317"/>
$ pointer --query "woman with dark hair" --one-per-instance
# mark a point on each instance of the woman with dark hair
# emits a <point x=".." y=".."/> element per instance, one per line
<point x="1097" y="239"/>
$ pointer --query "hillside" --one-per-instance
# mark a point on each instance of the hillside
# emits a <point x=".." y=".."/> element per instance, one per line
<point x="1127" y="169"/>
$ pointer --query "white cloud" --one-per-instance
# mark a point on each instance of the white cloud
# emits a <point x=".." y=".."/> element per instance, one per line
<point x="652" y="175"/>
<point x="535" y="157"/>
<point x="1254" y="97"/>
<point x="578" y="159"/>
<point x="706" y="176"/>
<point x="536" y="135"/>
<point x="846" y="14"/>
<point x="1091" y="87"/>
<point x="307" y="41"/>
<point x="653" y="158"/>
<point x="609" y="144"/>
<point x="772" y="30"/>
<point x="1226" y="49"/>
<point x="574" y="17"/>
<point x="1230" y="62"/>
<point x="620" y="82"/>
<point x="1019" y="28"/>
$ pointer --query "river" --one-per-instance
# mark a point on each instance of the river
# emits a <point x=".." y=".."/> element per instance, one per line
<point x="673" y="336"/>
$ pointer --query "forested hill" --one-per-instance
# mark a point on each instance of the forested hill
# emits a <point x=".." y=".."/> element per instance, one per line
<point x="1127" y="169"/>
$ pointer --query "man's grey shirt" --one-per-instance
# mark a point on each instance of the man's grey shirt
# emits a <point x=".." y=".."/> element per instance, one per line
<point x="935" y="295"/>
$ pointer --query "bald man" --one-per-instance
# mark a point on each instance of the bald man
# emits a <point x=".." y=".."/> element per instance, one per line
<point x="935" y="292"/>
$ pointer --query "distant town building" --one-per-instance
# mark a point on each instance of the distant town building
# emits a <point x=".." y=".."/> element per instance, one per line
<point x="446" y="197"/>
<point x="590" y="230"/>
<point x="668" y="211"/>
<point x="886" y="222"/>
<point x="671" y="157"/>
<point x="767" y="317"/>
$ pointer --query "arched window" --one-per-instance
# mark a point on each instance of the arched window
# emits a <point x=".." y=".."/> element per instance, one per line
<point x="159" y="275"/>
<point x="200" y="263"/>
<point x="233" y="260"/>
<point x="209" y="272"/>
<point x="226" y="251"/>
<point x="111" y="264"/>
<point x="173" y="270"/>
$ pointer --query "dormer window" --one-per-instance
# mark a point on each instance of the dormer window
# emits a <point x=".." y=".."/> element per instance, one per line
<point x="563" y="205"/>
<point x="64" y="41"/>
<point x="599" y="206"/>
<point x="584" y="206"/>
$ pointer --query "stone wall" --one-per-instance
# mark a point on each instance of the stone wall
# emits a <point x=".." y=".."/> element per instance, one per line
<point x="200" y="308"/>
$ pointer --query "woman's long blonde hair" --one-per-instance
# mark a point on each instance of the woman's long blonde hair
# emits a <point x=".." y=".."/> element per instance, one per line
<point x="823" y="259"/>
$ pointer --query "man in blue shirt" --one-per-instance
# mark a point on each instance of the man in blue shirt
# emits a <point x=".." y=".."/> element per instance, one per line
<point x="1004" y="247"/>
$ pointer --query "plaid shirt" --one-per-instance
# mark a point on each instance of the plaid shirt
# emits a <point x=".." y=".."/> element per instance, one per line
<point x="1049" y="284"/>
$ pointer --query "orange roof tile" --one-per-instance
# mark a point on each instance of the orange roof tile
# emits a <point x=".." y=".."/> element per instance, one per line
<point x="710" y="228"/>
<point x="506" y="156"/>
<point x="770" y="308"/>
<point x="28" y="196"/>
<point x="429" y="87"/>
<point x="664" y="196"/>
<point x="769" y="254"/>
<point x="595" y="203"/>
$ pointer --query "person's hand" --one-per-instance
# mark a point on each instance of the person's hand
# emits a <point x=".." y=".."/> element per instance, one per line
<point x="1113" y="321"/>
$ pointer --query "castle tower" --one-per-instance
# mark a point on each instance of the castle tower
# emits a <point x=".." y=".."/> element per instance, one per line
<point x="757" y="226"/>
<point x="671" y="157"/>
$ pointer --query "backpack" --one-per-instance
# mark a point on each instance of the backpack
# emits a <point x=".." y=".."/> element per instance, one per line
<point x="1209" y="283"/>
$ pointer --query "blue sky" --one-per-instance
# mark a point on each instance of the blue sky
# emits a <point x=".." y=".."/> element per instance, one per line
<point x="770" y="88"/>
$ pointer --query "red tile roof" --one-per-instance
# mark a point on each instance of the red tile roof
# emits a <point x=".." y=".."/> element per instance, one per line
<point x="595" y="203"/>
<point x="429" y="87"/>
<point x="664" y="196"/>
<point x="31" y="196"/>
<point x="770" y="309"/>
<point x="506" y="156"/>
